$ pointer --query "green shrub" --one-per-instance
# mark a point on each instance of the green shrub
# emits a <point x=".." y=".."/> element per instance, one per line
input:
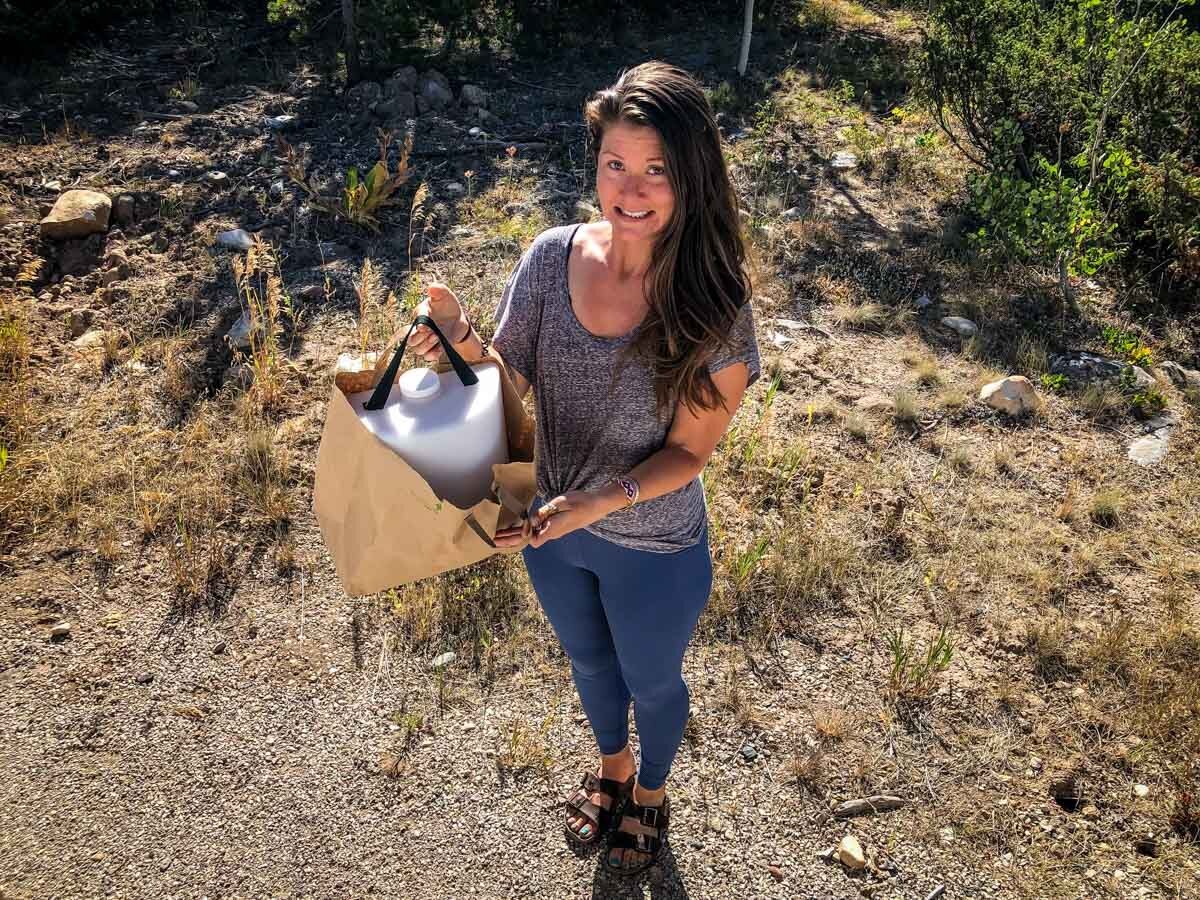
<point x="1083" y="117"/>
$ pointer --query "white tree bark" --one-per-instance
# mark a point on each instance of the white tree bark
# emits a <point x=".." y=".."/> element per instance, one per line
<point x="747" y="28"/>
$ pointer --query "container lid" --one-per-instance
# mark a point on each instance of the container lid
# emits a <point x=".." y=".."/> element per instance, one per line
<point x="419" y="384"/>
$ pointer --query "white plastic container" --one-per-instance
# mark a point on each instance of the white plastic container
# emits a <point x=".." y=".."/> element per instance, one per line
<point x="450" y="434"/>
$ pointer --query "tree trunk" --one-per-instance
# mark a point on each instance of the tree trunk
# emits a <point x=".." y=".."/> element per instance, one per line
<point x="747" y="28"/>
<point x="352" y="68"/>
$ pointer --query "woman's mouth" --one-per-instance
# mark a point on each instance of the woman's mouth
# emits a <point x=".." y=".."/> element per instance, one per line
<point x="636" y="215"/>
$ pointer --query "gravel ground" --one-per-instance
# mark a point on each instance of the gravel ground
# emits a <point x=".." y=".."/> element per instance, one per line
<point x="255" y="771"/>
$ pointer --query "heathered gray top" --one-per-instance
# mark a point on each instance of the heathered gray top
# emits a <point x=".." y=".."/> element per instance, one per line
<point x="588" y="435"/>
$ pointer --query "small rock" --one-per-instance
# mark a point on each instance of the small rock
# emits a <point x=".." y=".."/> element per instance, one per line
<point x="77" y="214"/>
<point x="792" y="213"/>
<point x="311" y="292"/>
<point x="54" y="185"/>
<point x="280" y="123"/>
<point x="217" y="179"/>
<point x="776" y="872"/>
<point x="440" y="662"/>
<point x="749" y="752"/>
<point x="277" y="189"/>
<point x="923" y="301"/>
<point x="965" y="327"/>
<point x="79" y="321"/>
<point x="110" y="277"/>
<point x="1151" y="449"/>
<point x="60" y="631"/>
<point x="237" y="239"/>
<point x="145" y="678"/>
<point x="844" y="159"/>
<point x="90" y="339"/>
<point x="238" y="337"/>
<point x="476" y="132"/>
<point x="218" y="648"/>
<point x="1090" y="812"/>
<point x="850" y="853"/>
<point x="875" y="403"/>
<point x="454" y="189"/>
<point x="1141" y="790"/>
<point x="1014" y="395"/>
<point x="473" y="95"/>
<point x="188" y="106"/>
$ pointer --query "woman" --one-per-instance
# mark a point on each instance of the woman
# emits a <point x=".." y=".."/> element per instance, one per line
<point x="637" y="336"/>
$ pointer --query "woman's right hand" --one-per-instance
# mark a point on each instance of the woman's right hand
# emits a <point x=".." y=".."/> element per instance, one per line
<point x="443" y="307"/>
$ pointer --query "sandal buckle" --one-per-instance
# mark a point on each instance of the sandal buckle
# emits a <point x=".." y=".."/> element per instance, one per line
<point x="649" y="816"/>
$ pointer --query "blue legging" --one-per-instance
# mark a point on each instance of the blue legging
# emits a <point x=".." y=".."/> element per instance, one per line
<point x="624" y="618"/>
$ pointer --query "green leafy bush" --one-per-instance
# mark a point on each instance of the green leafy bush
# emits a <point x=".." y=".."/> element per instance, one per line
<point x="1084" y="116"/>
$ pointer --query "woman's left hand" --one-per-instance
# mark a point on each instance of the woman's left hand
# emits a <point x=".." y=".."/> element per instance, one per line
<point x="564" y="514"/>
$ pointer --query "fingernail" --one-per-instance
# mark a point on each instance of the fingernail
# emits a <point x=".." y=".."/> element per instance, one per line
<point x="585" y="830"/>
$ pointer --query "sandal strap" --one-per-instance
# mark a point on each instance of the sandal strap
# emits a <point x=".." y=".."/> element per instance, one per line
<point x="642" y="828"/>
<point x="615" y="789"/>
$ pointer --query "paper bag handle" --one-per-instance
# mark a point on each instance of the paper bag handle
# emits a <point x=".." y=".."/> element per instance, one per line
<point x="384" y="388"/>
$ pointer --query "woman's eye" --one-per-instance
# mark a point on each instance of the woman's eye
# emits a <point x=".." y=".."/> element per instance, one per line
<point x="615" y="165"/>
<point x="656" y="170"/>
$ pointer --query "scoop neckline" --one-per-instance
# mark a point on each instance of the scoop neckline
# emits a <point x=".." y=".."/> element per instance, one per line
<point x="566" y="282"/>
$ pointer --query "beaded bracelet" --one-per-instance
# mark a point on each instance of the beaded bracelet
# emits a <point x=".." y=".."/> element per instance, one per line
<point x="631" y="489"/>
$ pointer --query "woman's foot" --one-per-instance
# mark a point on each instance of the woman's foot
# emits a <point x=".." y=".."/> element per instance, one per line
<point x="618" y="767"/>
<point x="627" y="858"/>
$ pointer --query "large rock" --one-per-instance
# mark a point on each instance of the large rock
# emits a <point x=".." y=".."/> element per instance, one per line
<point x="399" y="106"/>
<point x="965" y="327"/>
<point x="403" y="82"/>
<point x="365" y="93"/>
<point x="1014" y="395"/>
<point x="473" y="95"/>
<point x="1084" y="368"/>
<point x="435" y="90"/>
<point x="1180" y="377"/>
<point x="77" y="214"/>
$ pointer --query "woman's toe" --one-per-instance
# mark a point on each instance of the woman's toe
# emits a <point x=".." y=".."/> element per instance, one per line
<point x="614" y="859"/>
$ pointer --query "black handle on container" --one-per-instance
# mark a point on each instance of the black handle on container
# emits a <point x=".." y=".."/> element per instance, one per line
<point x="384" y="388"/>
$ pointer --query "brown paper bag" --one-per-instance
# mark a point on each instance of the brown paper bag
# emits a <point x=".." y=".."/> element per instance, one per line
<point x="382" y="522"/>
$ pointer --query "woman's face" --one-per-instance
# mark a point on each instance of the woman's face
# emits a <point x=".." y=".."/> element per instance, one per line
<point x="631" y="181"/>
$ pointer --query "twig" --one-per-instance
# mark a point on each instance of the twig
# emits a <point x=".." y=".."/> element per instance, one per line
<point x="864" y="805"/>
<point x="537" y="87"/>
<point x="1120" y="87"/>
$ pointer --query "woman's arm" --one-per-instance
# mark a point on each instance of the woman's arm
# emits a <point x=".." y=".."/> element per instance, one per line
<point x="690" y="442"/>
<point x="444" y="308"/>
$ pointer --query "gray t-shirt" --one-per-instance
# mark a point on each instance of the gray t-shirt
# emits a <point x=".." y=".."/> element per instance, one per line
<point x="587" y="434"/>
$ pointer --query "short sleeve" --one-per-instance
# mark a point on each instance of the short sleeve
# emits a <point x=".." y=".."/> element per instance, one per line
<point x="743" y="346"/>
<point x="517" y="319"/>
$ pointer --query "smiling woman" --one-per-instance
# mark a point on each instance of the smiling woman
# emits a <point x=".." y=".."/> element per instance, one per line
<point x="637" y="337"/>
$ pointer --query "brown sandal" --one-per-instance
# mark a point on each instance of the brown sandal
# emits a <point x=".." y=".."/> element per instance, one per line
<point x="641" y="828"/>
<point x="600" y="816"/>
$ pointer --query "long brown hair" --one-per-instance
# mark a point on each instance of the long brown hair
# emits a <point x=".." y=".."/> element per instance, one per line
<point x="697" y="279"/>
